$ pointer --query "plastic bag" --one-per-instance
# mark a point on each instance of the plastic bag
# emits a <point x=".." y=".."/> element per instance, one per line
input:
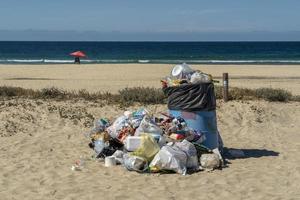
<point x="117" y="126"/>
<point x="191" y="97"/>
<point x="199" y="77"/>
<point x="105" y="148"/>
<point x="148" y="126"/>
<point x="148" y="147"/>
<point x="195" y="136"/>
<point x="100" y="125"/>
<point x="98" y="129"/>
<point x="139" y="114"/>
<point x="135" y="163"/>
<point x="99" y="146"/>
<point x="135" y="118"/>
<point x="210" y="161"/>
<point x="191" y="152"/>
<point x="169" y="158"/>
<point x="119" y="156"/>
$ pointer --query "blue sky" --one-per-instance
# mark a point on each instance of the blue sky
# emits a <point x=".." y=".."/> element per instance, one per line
<point x="146" y="17"/>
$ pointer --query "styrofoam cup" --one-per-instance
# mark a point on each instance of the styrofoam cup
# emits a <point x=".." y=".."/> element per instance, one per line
<point x="110" y="161"/>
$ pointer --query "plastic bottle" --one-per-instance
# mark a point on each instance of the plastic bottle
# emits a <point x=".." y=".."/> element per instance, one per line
<point x="99" y="146"/>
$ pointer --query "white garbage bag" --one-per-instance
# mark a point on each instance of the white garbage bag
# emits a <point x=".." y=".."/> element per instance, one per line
<point x="191" y="152"/>
<point x="134" y="163"/>
<point x="170" y="157"/>
<point x="148" y="126"/>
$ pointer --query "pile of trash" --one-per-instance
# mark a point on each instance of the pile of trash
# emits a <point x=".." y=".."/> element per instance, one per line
<point x="183" y="73"/>
<point x="144" y="142"/>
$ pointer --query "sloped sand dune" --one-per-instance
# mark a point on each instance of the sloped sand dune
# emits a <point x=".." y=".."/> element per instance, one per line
<point x="41" y="139"/>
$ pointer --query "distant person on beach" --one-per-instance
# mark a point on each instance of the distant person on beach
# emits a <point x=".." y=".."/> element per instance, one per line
<point x="77" y="60"/>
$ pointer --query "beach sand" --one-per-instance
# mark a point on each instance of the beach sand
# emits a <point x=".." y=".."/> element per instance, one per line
<point x="112" y="77"/>
<point x="41" y="139"/>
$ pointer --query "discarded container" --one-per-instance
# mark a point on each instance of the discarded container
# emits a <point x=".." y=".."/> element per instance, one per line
<point x="110" y="161"/>
<point x="132" y="143"/>
<point x="181" y="71"/>
<point x="99" y="146"/>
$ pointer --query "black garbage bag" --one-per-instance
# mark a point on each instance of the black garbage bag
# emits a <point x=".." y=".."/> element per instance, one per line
<point x="191" y="97"/>
<point x="109" y="150"/>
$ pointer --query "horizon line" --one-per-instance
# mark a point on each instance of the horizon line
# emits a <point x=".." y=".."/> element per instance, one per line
<point x="170" y="41"/>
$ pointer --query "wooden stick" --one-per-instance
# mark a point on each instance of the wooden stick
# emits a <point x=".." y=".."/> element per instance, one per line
<point x="225" y="86"/>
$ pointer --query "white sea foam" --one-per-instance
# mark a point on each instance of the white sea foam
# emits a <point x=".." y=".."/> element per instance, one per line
<point x="143" y="61"/>
<point x="252" y="61"/>
<point x="167" y="61"/>
<point x="23" y="61"/>
<point x="58" y="61"/>
<point x="228" y="61"/>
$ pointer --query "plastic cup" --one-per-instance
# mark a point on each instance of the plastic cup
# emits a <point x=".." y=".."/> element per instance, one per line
<point x="110" y="161"/>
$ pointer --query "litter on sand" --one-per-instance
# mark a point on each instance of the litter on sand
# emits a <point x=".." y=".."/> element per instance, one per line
<point x="183" y="140"/>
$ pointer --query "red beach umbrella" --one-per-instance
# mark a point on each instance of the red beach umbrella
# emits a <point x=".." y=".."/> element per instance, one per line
<point x="78" y="54"/>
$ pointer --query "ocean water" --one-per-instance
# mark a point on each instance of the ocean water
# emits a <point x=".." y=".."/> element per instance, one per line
<point x="152" y="52"/>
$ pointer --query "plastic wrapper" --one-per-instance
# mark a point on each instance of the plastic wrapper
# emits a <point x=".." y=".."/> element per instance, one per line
<point x="135" y="118"/>
<point x="119" y="156"/>
<point x="191" y="152"/>
<point x="105" y="148"/>
<point x="139" y="114"/>
<point x="100" y="125"/>
<point x="117" y="126"/>
<point x="148" y="147"/>
<point x="162" y="141"/>
<point x="200" y="77"/>
<point x="148" y="126"/>
<point x="135" y="163"/>
<point x="98" y="129"/>
<point x="99" y="145"/>
<point x="195" y="136"/>
<point x="169" y="158"/>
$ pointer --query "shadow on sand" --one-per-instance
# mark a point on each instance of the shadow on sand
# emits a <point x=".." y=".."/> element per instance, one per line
<point x="248" y="153"/>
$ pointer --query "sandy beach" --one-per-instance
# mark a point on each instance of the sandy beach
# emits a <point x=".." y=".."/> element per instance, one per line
<point x="112" y="77"/>
<point x="41" y="139"/>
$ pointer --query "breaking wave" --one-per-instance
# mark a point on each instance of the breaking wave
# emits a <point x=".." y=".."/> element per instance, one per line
<point x="158" y="61"/>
